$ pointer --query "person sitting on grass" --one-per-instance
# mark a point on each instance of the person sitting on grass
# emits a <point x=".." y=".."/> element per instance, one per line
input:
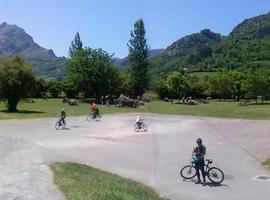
<point x="62" y="116"/>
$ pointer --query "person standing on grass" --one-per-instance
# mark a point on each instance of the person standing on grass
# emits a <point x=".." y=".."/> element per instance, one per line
<point x="198" y="156"/>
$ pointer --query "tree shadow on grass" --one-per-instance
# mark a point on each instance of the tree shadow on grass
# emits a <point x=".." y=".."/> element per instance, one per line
<point x="23" y="112"/>
<point x="259" y="104"/>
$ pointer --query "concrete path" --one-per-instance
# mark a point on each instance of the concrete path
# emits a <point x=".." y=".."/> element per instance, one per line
<point x="154" y="158"/>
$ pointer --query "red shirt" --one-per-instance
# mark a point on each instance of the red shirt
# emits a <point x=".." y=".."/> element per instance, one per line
<point x="93" y="105"/>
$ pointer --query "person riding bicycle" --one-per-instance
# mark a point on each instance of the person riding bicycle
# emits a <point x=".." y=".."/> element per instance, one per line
<point x="95" y="109"/>
<point x="198" y="154"/>
<point x="139" y="121"/>
<point x="62" y="115"/>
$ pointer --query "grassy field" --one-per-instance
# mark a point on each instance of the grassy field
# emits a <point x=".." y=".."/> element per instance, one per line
<point x="50" y="108"/>
<point x="81" y="182"/>
<point x="267" y="163"/>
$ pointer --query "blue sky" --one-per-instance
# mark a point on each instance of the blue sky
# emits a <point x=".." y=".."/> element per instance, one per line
<point x="107" y="23"/>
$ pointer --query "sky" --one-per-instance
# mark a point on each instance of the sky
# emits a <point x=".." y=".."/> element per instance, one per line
<point x="107" y="24"/>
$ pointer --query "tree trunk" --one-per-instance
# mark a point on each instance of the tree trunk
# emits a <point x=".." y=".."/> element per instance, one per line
<point x="12" y="105"/>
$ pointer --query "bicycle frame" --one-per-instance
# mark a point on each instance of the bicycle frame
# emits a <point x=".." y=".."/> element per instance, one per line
<point x="206" y="165"/>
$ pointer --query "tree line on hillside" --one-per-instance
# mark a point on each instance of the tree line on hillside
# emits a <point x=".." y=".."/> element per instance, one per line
<point x="237" y="84"/>
<point x="90" y="74"/>
<point x="248" y="45"/>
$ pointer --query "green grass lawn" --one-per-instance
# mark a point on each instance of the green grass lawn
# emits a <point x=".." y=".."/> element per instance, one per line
<point x="50" y="108"/>
<point x="81" y="182"/>
<point x="267" y="163"/>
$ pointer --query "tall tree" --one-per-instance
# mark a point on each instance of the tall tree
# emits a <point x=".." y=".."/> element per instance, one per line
<point x="75" y="52"/>
<point x="76" y="45"/>
<point x="92" y="72"/>
<point x="16" y="81"/>
<point x="138" y="52"/>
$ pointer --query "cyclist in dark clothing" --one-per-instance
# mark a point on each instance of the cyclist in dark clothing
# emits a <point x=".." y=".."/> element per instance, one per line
<point x="198" y="156"/>
<point x="62" y="116"/>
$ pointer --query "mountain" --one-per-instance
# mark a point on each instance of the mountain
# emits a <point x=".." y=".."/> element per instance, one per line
<point x="122" y="63"/>
<point x="247" y="45"/>
<point x="186" y="52"/>
<point x="14" y="40"/>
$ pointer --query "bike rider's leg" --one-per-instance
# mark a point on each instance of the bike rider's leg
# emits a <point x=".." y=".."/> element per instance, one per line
<point x="62" y="121"/>
<point x="202" y="169"/>
<point x="197" y="167"/>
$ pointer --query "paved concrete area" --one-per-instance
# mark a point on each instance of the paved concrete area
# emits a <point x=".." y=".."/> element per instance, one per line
<point x="154" y="158"/>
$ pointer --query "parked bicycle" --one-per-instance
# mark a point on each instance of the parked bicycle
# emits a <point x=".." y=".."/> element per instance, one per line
<point x="214" y="174"/>
<point x="61" y="124"/>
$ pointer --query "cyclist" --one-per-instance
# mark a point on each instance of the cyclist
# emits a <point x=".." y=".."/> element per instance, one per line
<point x="95" y="109"/>
<point x="198" y="154"/>
<point x="62" y="116"/>
<point x="139" y="121"/>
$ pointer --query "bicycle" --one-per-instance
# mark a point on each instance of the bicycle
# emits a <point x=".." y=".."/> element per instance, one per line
<point x="93" y="116"/>
<point x="214" y="174"/>
<point x="61" y="124"/>
<point x="141" y="127"/>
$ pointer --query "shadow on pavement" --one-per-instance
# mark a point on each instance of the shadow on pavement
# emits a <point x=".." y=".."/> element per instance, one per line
<point x="209" y="184"/>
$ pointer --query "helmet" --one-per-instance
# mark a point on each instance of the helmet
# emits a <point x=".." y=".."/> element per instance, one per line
<point x="199" y="141"/>
<point x="62" y="109"/>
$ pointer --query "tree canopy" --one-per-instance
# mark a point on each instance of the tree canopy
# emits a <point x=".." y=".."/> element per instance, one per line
<point x="16" y="81"/>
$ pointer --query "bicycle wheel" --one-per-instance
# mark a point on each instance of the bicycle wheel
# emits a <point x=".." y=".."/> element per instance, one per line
<point x="215" y="175"/>
<point x="188" y="172"/>
<point x="88" y="117"/>
<point x="136" y="128"/>
<point x="57" y="125"/>
<point x="98" y="117"/>
<point x="144" y="127"/>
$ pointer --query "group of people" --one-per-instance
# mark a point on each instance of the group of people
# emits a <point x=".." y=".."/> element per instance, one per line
<point x="94" y="109"/>
<point x="198" y="153"/>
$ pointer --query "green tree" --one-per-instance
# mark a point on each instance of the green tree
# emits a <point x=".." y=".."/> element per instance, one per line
<point x="70" y="89"/>
<point x="236" y="79"/>
<point x="41" y="87"/>
<point x="197" y="85"/>
<point x="178" y="84"/>
<point x="93" y="73"/>
<point x="162" y="89"/>
<point x="16" y="81"/>
<point x="55" y="88"/>
<point x="256" y="84"/>
<point x="76" y="45"/>
<point x="138" y="63"/>
<point x="219" y="85"/>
